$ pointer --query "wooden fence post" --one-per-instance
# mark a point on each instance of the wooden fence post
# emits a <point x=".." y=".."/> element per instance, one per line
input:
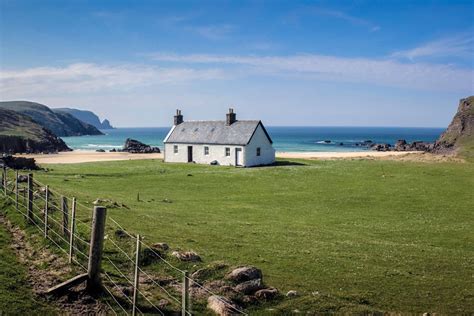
<point x="65" y="211"/>
<point x="73" y="229"/>
<point x="137" y="277"/>
<point x="4" y="180"/>
<point x="94" y="284"/>
<point x="185" y="294"/>
<point x="16" y="189"/>
<point x="29" y="212"/>
<point x="46" y="211"/>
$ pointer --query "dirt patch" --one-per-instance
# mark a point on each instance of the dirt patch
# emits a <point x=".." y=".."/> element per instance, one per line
<point x="46" y="269"/>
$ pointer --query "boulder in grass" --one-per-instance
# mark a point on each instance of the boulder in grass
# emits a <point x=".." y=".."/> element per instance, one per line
<point x="242" y="274"/>
<point x="222" y="306"/>
<point x="150" y="256"/>
<point x="267" y="294"/>
<point x="121" y="234"/>
<point x="188" y="256"/>
<point x="292" y="293"/>
<point x="160" y="246"/>
<point x="249" y="287"/>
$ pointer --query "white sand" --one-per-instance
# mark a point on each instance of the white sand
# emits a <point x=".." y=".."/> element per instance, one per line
<point x="344" y="155"/>
<point x="90" y="156"/>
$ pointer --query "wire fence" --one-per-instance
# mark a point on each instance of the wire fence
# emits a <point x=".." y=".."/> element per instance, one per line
<point x="66" y="223"/>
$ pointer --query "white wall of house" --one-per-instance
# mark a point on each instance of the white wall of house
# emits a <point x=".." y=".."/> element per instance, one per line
<point x="216" y="152"/>
<point x="267" y="152"/>
<point x="249" y="155"/>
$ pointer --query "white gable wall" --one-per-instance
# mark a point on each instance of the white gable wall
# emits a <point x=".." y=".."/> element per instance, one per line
<point x="267" y="153"/>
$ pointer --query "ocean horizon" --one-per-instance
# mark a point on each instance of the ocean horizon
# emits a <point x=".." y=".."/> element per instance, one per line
<point x="285" y="138"/>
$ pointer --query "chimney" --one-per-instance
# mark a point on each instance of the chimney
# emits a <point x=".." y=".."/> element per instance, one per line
<point x="231" y="118"/>
<point x="178" y="118"/>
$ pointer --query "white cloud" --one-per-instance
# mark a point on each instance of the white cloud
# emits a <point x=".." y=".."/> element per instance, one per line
<point x="84" y="78"/>
<point x="384" y="72"/>
<point x="337" y="14"/>
<point x="213" y="32"/>
<point x="455" y="46"/>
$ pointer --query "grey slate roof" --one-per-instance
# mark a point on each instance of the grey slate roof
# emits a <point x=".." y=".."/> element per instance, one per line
<point x="214" y="132"/>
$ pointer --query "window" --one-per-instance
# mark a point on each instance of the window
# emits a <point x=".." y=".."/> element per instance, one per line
<point x="206" y="150"/>
<point x="258" y="151"/>
<point x="227" y="152"/>
<point x="175" y="149"/>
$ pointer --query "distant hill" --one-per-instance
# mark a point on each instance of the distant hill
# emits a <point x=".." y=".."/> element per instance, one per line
<point x="61" y="124"/>
<point x="88" y="117"/>
<point x="20" y="134"/>
<point x="459" y="136"/>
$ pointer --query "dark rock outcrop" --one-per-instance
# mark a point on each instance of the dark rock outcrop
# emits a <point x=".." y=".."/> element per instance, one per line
<point x="459" y="136"/>
<point x="19" y="163"/>
<point x="381" y="147"/>
<point x="403" y="145"/>
<point x="136" y="147"/>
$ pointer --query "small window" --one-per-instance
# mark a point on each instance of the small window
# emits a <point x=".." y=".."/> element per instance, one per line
<point x="258" y="151"/>
<point x="175" y="149"/>
<point x="227" y="152"/>
<point x="206" y="150"/>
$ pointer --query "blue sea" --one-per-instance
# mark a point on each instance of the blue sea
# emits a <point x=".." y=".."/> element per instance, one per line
<point x="293" y="139"/>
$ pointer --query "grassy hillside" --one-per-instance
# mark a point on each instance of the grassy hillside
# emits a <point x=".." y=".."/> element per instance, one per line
<point x="61" y="124"/>
<point x="16" y="296"/>
<point x="19" y="133"/>
<point x="17" y="124"/>
<point x="349" y="236"/>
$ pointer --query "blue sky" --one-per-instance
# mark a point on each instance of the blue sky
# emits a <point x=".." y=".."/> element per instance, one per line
<point x="356" y="63"/>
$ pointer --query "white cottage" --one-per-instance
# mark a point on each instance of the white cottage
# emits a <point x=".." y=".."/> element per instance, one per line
<point x="231" y="142"/>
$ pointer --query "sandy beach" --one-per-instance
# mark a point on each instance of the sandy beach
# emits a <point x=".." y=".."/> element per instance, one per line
<point x="90" y="156"/>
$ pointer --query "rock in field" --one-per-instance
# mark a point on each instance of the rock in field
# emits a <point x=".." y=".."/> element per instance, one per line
<point x="160" y="246"/>
<point x="189" y="256"/>
<point x="292" y="293"/>
<point x="150" y="256"/>
<point x="267" y="294"/>
<point x="222" y="306"/>
<point x="242" y="274"/>
<point x="249" y="287"/>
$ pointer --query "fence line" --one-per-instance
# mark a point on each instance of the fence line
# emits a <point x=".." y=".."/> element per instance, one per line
<point x="30" y="205"/>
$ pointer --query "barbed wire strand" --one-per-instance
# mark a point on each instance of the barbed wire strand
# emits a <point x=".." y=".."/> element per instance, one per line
<point x="118" y="287"/>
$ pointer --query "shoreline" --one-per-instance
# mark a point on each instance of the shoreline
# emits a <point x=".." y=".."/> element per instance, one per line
<point x="92" y="156"/>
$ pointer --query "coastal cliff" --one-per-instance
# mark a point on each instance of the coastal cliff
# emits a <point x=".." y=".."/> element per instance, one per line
<point x="459" y="136"/>
<point x="88" y="117"/>
<point x="20" y="134"/>
<point x="60" y="124"/>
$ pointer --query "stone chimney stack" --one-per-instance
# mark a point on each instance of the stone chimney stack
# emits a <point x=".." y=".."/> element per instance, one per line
<point x="231" y="117"/>
<point x="178" y="118"/>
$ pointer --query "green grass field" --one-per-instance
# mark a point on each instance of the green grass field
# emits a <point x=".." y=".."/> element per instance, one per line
<point x="349" y="236"/>
<point x="16" y="295"/>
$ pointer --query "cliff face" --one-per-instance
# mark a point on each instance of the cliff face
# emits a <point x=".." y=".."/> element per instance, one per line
<point x="86" y="116"/>
<point x="459" y="136"/>
<point x="62" y="124"/>
<point x="20" y="134"/>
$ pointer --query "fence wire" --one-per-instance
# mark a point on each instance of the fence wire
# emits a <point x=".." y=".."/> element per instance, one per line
<point x="53" y="204"/>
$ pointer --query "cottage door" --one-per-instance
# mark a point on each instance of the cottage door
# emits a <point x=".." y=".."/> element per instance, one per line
<point x="239" y="157"/>
<point x="190" y="153"/>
